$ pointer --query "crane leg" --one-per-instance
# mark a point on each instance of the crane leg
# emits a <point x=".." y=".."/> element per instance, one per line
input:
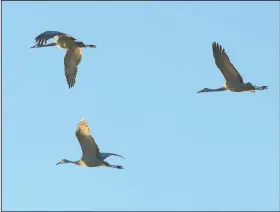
<point x="112" y="166"/>
<point x="260" y="87"/>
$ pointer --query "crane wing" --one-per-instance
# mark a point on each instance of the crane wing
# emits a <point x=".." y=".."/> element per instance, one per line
<point x="43" y="37"/>
<point x="223" y="63"/>
<point x="87" y="143"/>
<point x="72" y="59"/>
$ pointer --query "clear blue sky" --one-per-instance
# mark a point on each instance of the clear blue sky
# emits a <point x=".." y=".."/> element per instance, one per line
<point x="137" y="90"/>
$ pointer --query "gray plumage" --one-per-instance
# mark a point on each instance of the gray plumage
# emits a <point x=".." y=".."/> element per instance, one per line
<point x="234" y="81"/>
<point x="92" y="157"/>
<point x="73" y="54"/>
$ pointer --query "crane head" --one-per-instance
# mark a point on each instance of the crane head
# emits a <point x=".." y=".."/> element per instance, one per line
<point x="204" y="90"/>
<point x="63" y="161"/>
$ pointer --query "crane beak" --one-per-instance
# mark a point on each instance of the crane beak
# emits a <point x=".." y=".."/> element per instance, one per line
<point x="203" y="90"/>
<point x="58" y="163"/>
<point x="33" y="46"/>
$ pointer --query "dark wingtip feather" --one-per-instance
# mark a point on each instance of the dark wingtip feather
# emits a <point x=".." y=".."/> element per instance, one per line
<point x="214" y="44"/>
<point x="217" y="48"/>
<point x="71" y="81"/>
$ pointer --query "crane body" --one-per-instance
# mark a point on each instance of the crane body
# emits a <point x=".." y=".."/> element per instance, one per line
<point x="91" y="155"/>
<point x="234" y="81"/>
<point x="73" y="54"/>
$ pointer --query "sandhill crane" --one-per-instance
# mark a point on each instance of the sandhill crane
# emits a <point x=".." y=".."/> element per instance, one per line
<point x="73" y="54"/>
<point x="234" y="81"/>
<point x="91" y="155"/>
